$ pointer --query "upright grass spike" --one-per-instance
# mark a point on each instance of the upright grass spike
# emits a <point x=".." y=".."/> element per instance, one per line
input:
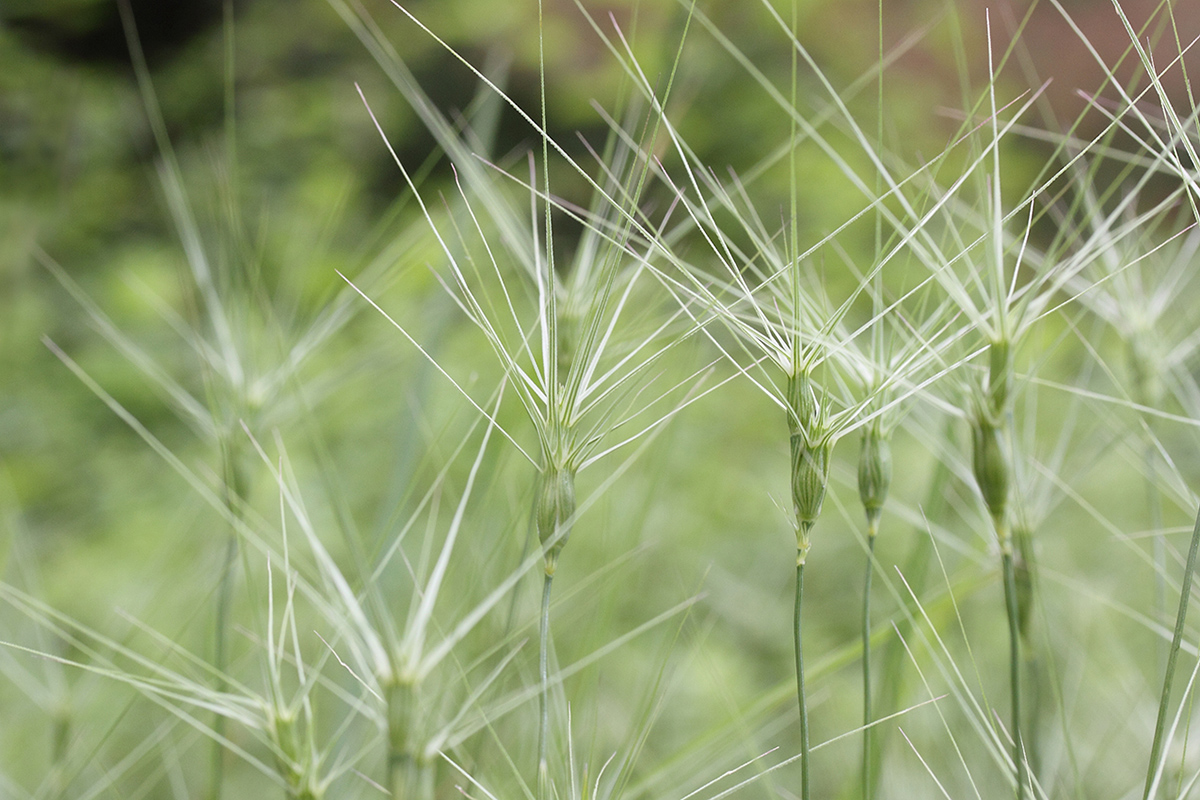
<point x="1157" y="760"/>
<point x="811" y="445"/>
<point x="233" y="494"/>
<point x="576" y="376"/>
<point x="770" y="296"/>
<point x="991" y="437"/>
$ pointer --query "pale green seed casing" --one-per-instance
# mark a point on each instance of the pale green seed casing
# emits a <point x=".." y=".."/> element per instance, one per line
<point x="555" y="508"/>
<point x="811" y="447"/>
<point x="874" y="473"/>
<point x="1000" y="375"/>
<point x="990" y="462"/>
<point x="810" y="476"/>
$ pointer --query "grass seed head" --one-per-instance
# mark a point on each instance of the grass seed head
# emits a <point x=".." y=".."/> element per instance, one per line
<point x="805" y="413"/>
<point x="295" y="760"/>
<point x="1000" y="375"/>
<point x="991" y="464"/>
<point x="286" y="737"/>
<point x="874" y="474"/>
<point x="555" y="508"/>
<point x="810" y="476"/>
<point x="811" y="446"/>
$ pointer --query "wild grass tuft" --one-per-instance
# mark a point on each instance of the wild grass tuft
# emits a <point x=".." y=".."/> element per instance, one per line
<point x="342" y="515"/>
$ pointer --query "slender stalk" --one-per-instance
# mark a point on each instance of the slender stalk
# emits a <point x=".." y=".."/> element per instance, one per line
<point x="1154" y="506"/>
<point x="916" y="571"/>
<point x="868" y="574"/>
<point x="874" y="480"/>
<point x="412" y="778"/>
<point x="57" y="783"/>
<point x="810" y="450"/>
<point x="232" y="491"/>
<point x="543" y="697"/>
<point x="1014" y="661"/>
<point x="1148" y="392"/>
<point x="992" y="465"/>
<point x="221" y="635"/>
<point x="1154" y="771"/>
<point x="1034" y="681"/>
<point x="554" y="508"/>
<point x="801" y="555"/>
<point x="410" y="774"/>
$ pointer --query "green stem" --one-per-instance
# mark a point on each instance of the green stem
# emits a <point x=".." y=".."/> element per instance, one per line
<point x="543" y="698"/>
<point x="224" y="598"/>
<point x="804" y="747"/>
<point x="1185" y="592"/>
<point x="916" y="571"/>
<point x="1014" y="662"/>
<point x="409" y="773"/>
<point x="866" y="664"/>
<point x="412" y="778"/>
<point x="233" y="490"/>
<point x="57" y="783"/>
<point x="1154" y="506"/>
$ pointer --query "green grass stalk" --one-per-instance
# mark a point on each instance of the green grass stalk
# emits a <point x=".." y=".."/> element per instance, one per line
<point x="57" y="781"/>
<point x="543" y="772"/>
<point x="220" y="657"/>
<point x="874" y="480"/>
<point x="232" y="492"/>
<point x="1154" y="770"/>
<point x="1035" y="680"/>
<point x="410" y="776"/>
<point x="1154" y="509"/>
<point x="805" y="750"/>
<point x="916" y="570"/>
<point x="992" y="465"/>
<point x="553" y="512"/>
<point x="868" y="573"/>
<point x="1014" y="664"/>
<point x="810" y="451"/>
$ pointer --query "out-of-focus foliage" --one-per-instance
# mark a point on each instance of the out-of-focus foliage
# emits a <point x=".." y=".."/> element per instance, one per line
<point x="269" y="178"/>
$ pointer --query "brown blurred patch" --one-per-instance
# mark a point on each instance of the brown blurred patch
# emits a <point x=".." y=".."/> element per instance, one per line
<point x="1076" y="45"/>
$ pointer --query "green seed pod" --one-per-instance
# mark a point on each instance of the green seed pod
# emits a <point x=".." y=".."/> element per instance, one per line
<point x="555" y="507"/>
<point x="811" y="448"/>
<point x="1000" y="372"/>
<point x="810" y="476"/>
<point x="874" y="473"/>
<point x="804" y="410"/>
<point x="991" y="464"/>
<point x="295" y="761"/>
<point x="287" y="738"/>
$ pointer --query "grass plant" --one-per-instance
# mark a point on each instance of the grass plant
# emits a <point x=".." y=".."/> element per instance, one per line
<point x="582" y="381"/>
<point x="343" y="514"/>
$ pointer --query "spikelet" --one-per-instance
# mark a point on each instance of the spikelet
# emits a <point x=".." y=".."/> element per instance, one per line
<point x="991" y="457"/>
<point x="874" y="474"/>
<point x="811" y="446"/>
<point x="1000" y="376"/>
<point x="296" y="761"/>
<point x="554" y="510"/>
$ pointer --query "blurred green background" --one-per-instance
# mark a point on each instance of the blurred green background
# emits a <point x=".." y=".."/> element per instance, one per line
<point x="295" y="184"/>
<point x="290" y="183"/>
